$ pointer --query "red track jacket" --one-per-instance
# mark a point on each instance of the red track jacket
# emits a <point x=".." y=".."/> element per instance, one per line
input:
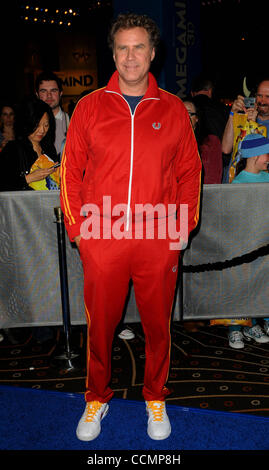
<point x="149" y="157"/>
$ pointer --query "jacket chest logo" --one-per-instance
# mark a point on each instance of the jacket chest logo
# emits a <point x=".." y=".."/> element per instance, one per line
<point x="156" y="125"/>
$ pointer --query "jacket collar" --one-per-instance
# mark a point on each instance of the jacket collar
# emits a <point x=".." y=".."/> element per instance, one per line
<point x="152" y="91"/>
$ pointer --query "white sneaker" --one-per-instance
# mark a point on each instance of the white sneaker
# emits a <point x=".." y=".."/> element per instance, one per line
<point x="89" y="426"/>
<point x="126" y="334"/>
<point x="255" y="332"/>
<point x="158" y="422"/>
<point x="236" y="339"/>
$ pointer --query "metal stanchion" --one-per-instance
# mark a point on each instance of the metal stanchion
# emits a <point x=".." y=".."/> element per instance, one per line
<point x="68" y="359"/>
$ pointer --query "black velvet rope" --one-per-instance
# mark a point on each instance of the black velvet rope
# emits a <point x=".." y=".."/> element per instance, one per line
<point x="221" y="265"/>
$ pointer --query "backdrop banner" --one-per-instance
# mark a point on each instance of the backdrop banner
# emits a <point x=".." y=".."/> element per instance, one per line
<point x="225" y="267"/>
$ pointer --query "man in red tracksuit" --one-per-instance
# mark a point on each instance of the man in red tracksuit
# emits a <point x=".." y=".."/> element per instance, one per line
<point x="130" y="156"/>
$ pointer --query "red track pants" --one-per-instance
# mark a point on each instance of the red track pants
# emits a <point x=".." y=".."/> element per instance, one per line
<point x="108" y="267"/>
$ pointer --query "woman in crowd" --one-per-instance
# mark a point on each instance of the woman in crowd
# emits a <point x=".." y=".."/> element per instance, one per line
<point x="7" y="121"/>
<point x="35" y="132"/>
<point x="209" y="147"/>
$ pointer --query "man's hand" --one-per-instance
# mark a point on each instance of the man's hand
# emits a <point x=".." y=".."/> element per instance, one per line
<point x="238" y="105"/>
<point x="77" y="240"/>
<point x="252" y="114"/>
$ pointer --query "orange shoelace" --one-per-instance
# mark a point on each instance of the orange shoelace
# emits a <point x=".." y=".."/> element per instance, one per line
<point x="92" y="408"/>
<point x="157" y="409"/>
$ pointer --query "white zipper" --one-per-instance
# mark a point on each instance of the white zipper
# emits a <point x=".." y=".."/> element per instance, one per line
<point x="131" y="170"/>
<point x="132" y="152"/>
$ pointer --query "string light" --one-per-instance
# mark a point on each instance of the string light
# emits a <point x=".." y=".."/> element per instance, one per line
<point x="58" y="16"/>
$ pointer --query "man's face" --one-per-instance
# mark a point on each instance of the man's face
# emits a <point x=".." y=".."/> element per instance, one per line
<point x="50" y="93"/>
<point x="262" y="100"/>
<point x="133" y="54"/>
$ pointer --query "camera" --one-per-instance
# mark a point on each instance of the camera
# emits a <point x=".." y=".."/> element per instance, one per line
<point x="249" y="102"/>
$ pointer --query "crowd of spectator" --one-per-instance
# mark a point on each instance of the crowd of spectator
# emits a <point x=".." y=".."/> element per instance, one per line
<point x="38" y="127"/>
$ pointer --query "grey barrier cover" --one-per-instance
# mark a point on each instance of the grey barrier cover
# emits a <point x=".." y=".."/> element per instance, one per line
<point x="30" y="292"/>
<point x="226" y="266"/>
<point x="233" y="222"/>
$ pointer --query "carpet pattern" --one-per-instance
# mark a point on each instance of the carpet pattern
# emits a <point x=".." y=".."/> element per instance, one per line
<point x="205" y="372"/>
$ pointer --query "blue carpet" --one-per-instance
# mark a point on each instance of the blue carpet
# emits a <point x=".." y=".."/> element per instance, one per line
<point x="46" y="420"/>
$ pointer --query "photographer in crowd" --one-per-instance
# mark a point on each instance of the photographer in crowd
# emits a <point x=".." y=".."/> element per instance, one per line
<point x="259" y="113"/>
